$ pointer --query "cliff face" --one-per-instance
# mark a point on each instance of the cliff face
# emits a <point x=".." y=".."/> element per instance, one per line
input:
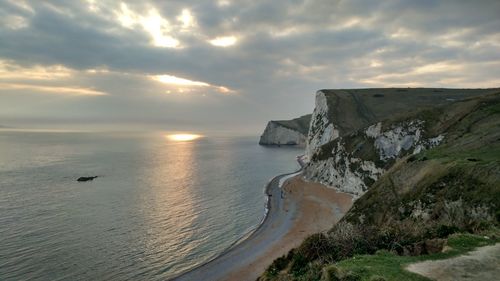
<point x="286" y="132"/>
<point x="429" y="174"/>
<point x="455" y="183"/>
<point x="357" y="135"/>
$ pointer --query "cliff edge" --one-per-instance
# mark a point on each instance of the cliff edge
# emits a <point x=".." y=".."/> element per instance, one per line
<point x="356" y="135"/>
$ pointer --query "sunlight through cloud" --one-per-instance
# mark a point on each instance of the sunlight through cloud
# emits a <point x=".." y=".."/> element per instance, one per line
<point x="187" y="19"/>
<point x="52" y="89"/>
<point x="38" y="79"/>
<point x="12" y="71"/>
<point x="225" y="41"/>
<point x="153" y="23"/>
<point x="223" y="3"/>
<point x="169" y="79"/>
<point x="184" y="84"/>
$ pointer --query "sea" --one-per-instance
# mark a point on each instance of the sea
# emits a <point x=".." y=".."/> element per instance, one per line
<point x="159" y="207"/>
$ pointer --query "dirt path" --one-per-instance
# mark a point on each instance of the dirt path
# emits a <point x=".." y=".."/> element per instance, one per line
<point x="481" y="264"/>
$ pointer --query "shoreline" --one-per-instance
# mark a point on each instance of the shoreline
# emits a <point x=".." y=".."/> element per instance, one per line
<point x="246" y="236"/>
<point x="287" y="221"/>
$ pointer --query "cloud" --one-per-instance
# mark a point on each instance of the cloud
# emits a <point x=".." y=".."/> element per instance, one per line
<point x="55" y="79"/>
<point x="274" y="54"/>
<point x="9" y="70"/>
<point x="52" y="89"/>
<point x="169" y="79"/>
<point x="183" y="85"/>
<point x="224" y="41"/>
<point x="153" y="24"/>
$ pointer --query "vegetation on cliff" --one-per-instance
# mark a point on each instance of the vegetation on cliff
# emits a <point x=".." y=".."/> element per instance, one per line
<point x="409" y="213"/>
<point x="353" y="109"/>
<point x="357" y="135"/>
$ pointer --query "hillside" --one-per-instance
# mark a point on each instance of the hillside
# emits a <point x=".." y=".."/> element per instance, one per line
<point x="356" y="135"/>
<point x="422" y="175"/>
<point x="340" y="112"/>
<point x="461" y="173"/>
<point x="356" y="108"/>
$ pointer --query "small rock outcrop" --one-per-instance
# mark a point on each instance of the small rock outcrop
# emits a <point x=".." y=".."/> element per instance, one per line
<point x="286" y="132"/>
<point x="86" y="178"/>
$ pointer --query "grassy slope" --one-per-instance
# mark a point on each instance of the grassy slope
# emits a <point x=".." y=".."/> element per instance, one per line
<point x="353" y="109"/>
<point x="466" y="167"/>
<point x="392" y="267"/>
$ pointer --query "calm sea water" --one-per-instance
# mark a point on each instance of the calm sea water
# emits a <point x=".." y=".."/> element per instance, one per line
<point x="158" y="207"/>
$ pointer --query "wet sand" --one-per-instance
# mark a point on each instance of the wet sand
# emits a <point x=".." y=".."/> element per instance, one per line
<point x="296" y="210"/>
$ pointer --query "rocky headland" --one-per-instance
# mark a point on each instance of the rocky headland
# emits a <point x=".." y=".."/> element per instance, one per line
<point x="287" y="132"/>
<point x="424" y="167"/>
<point x="390" y="177"/>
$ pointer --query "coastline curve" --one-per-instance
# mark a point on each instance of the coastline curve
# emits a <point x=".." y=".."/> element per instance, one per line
<point x="272" y="189"/>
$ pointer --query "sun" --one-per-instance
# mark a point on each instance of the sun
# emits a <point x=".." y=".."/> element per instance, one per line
<point x="183" y="137"/>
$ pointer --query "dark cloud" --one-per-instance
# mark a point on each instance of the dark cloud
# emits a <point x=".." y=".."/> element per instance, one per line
<point x="286" y="50"/>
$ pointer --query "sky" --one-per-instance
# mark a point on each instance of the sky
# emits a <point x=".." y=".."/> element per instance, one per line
<point x="228" y="66"/>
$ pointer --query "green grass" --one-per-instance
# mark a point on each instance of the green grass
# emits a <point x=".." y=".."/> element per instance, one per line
<point x="484" y="154"/>
<point x="300" y="124"/>
<point x="391" y="266"/>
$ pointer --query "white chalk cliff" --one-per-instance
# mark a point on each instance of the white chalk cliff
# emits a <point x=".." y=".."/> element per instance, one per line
<point x="321" y="130"/>
<point x="353" y="169"/>
<point x="355" y="136"/>
<point x="277" y="134"/>
<point x="286" y="132"/>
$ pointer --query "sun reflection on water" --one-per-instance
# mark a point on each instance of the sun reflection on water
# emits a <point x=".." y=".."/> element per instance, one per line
<point x="183" y="137"/>
<point x="170" y="212"/>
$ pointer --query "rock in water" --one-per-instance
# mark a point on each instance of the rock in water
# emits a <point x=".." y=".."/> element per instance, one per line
<point x="86" y="178"/>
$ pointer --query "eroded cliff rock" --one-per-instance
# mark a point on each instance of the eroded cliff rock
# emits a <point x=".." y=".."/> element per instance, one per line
<point x="354" y="162"/>
<point x="355" y="136"/>
<point x="286" y="132"/>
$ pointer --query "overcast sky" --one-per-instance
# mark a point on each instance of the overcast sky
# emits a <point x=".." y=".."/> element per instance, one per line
<point x="228" y="65"/>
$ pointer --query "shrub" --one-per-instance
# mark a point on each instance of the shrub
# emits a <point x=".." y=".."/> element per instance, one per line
<point x="278" y="265"/>
<point x="333" y="273"/>
<point x="313" y="272"/>
<point x="299" y="264"/>
<point x="444" y="231"/>
<point x="317" y="246"/>
<point x="347" y="240"/>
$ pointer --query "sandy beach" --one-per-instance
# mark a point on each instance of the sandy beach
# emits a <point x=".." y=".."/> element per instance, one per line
<point x="296" y="210"/>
